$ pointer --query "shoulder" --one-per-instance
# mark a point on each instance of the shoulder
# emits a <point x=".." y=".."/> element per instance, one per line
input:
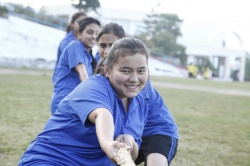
<point x="97" y="82"/>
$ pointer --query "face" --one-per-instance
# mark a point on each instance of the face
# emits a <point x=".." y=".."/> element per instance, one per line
<point x="88" y="36"/>
<point x="75" y="25"/>
<point x="128" y="76"/>
<point x="105" y="42"/>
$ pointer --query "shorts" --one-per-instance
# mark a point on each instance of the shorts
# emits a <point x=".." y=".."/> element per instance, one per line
<point x="165" y="145"/>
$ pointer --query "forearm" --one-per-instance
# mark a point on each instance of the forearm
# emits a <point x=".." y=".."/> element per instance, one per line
<point x="83" y="76"/>
<point x="104" y="128"/>
<point x="82" y="71"/>
<point x="134" y="152"/>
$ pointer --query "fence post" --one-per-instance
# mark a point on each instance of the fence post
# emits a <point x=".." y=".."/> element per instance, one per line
<point x="60" y="24"/>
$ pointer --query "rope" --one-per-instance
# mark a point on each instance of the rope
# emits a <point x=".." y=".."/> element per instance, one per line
<point x="124" y="158"/>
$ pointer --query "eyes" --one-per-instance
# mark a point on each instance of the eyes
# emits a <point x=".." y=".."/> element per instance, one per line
<point x="127" y="71"/>
<point x="92" y="32"/>
<point x="104" y="45"/>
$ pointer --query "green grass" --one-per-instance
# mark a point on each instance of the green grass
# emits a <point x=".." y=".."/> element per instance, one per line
<point x="25" y="108"/>
<point x="214" y="129"/>
<point x="245" y="86"/>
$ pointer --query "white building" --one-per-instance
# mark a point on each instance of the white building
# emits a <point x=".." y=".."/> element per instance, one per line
<point x="130" y="20"/>
<point x="221" y="58"/>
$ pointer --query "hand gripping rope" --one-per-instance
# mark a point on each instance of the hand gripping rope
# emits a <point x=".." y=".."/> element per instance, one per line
<point x="124" y="158"/>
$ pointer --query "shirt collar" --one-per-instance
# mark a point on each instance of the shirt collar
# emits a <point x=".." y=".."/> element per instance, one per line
<point x="71" y="35"/>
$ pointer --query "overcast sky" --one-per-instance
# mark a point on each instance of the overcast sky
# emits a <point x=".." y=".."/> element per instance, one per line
<point x="229" y="14"/>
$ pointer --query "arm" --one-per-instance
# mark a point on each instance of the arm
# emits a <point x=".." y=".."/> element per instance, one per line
<point x="82" y="72"/>
<point x="103" y="120"/>
<point x="130" y="141"/>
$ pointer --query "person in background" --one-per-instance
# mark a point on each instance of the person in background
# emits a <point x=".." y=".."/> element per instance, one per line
<point x="160" y="135"/>
<point x="106" y="37"/>
<point x="76" y="62"/>
<point x="236" y="69"/>
<point x="83" y="129"/>
<point x="190" y="70"/>
<point x="206" y="71"/>
<point x="71" y="35"/>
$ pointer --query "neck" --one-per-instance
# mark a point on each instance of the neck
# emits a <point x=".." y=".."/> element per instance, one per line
<point x="75" y="34"/>
<point x="88" y="49"/>
<point x="125" y="102"/>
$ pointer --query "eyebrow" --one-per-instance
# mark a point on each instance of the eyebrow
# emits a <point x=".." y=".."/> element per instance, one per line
<point x="125" y="67"/>
<point x="105" y="43"/>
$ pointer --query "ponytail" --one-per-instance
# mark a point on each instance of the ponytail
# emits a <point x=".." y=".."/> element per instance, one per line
<point x="94" y="62"/>
<point x="74" y="17"/>
<point x="100" y="67"/>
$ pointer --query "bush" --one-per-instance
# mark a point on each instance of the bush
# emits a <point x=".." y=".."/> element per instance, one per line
<point x="247" y="69"/>
<point x="3" y="11"/>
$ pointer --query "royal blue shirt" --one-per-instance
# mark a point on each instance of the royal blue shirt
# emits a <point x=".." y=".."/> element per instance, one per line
<point x="65" y="41"/>
<point x="66" y="78"/>
<point x="160" y="119"/>
<point x="69" y="138"/>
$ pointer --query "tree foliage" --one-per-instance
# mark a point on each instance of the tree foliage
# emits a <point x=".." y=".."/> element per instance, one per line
<point x="247" y="67"/>
<point x="161" y="32"/>
<point x="85" y="5"/>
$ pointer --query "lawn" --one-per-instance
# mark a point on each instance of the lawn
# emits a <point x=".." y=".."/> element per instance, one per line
<point x="214" y="129"/>
<point x="245" y="86"/>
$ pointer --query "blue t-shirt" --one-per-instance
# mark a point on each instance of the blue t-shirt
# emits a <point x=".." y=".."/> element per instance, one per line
<point x="160" y="120"/>
<point x="65" y="41"/>
<point x="69" y="138"/>
<point x="66" y="78"/>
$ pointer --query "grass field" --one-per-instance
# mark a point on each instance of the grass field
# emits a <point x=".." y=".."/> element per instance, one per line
<point x="214" y="129"/>
<point x="208" y="83"/>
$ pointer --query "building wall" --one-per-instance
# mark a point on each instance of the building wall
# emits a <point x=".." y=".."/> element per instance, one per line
<point x="130" y="20"/>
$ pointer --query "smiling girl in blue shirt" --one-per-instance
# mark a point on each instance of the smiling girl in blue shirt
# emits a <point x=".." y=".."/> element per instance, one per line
<point x="76" y="62"/>
<point x="83" y="129"/>
<point x="71" y="30"/>
<point x="160" y="136"/>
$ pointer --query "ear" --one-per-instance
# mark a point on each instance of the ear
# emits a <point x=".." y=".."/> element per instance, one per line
<point x="107" y="71"/>
<point x="78" y="35"/>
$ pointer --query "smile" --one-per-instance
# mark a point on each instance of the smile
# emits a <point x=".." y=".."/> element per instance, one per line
<point x="131" y="87"/>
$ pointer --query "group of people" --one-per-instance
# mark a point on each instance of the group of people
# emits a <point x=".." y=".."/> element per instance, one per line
<point x="102" y="103"/>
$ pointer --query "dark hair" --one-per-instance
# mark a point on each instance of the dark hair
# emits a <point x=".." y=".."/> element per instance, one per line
<point x="113" y="28"/>
<point x="73" y="18"/>
<point x="122" y="48"/>
<point x="82" y="25"/>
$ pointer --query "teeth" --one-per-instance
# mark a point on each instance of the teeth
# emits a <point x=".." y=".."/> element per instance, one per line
<point x="131" y="86"/>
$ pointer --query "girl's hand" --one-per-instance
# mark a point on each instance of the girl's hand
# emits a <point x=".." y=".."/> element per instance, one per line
<point x="127" y="139"/>
<point x="111" y="148"/>
<point x="130" y="141"/>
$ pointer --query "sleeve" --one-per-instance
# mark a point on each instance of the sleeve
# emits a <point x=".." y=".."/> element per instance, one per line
<point x="87" y="97"/>
<point x="155" y="101"/>
<point x="61" y="47"/>
<point x="76" y="55"/>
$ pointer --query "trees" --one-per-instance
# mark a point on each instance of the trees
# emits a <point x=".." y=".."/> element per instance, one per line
<point x="86" y="4"/>
<point x="160" y="33"/>
<point x="247" y="67"/>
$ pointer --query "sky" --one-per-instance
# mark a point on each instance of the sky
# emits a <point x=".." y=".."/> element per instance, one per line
<point x="225" y="14"/>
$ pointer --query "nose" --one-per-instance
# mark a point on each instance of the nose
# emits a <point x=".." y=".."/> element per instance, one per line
<point x="106" y="51"/>
<point x="94" y="35"/>
<point x="134" y="77"/>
